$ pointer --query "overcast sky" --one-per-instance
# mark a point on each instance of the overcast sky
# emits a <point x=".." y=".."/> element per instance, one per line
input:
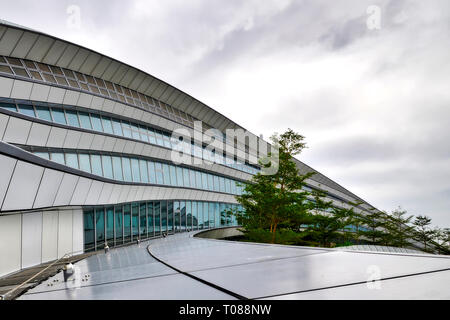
<point x="373" y="104"/>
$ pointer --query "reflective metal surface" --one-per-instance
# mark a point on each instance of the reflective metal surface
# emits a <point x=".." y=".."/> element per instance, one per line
<point x="256" y="271"/>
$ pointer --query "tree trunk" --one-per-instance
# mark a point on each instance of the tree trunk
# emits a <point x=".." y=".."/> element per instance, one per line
<point x="274" y="232"/>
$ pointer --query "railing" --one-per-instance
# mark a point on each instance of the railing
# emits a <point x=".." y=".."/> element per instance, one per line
<point x="6" y="295"/>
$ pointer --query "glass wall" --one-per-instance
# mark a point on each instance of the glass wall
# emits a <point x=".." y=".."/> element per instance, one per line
<point x="126" y="223"/>
<point x="135" y="170"/>
<point x="94" y="122"/>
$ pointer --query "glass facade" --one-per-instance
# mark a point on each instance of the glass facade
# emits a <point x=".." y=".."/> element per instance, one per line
<point x="135" y="170"/>
<point x="121" y="224"/>
<point x="95" y="122"/>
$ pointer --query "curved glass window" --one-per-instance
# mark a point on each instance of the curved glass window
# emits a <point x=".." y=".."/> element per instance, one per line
<point x="107" y="167"/>
<point x="72" y="160"/>
<point x="85" y="121"/>
<point x="58" y="116"/>
<point x="136" y="170"/>
<point x="96" y="123"/>
<point x="144" y="171"/>
<point x="27" y="110"/>
<point x="107" y="125"/>
<point x="117" y="127"/>
<point x="117" y="165"/>
<point x="58" y="157"/>
<point x="96" y="164"/>
<point x="43" y="113"/>
<point x="126" y="169"/>
<point x="85" y="163"/>
<point x="72" y="118"/>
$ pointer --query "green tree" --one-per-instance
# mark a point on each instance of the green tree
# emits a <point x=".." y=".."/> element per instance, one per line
<point x="328" y="222"/>
<point x="442" y="238"/>
<point x="373" y="227"/>
<point x="271" y="200"/>
<point x="398" y="228"/>
<point x="422" y="232"/>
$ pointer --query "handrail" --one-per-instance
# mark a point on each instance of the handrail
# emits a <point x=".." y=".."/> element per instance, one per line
<point x="5" y="296"/>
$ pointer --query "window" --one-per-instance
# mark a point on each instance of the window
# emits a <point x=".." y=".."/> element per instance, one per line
<point x="135" y="219"/>
<point x="96" y="123"/>
<point x="150" y="219"/>
<point x="186" y="177"/>
<point x="117" y="165"/>
<point x="9" y="106"/>
<point x="89" y="230"/>
<point x="198" y="179"/>
<point x="151" y="136"/>
<point x="44" y="155"/>
<point x="159" y="173"/>
<point x="127" y="223"/>
<point x="210" y="182"/>
<point x="192" y="178"/>
<point x="126" y="169"/>
<point x="100" y="227"/>
<point x="163" y="216"/>
<point x="126" y="129"/>
<point x="72" y="118"/>
<point x="110" y="224"/>
<point x="170" y="217"/>
<point x="135" y="132"/>
<point x="173" y="176"/>
<point x="58" y="116"/>
<point x="143" y="132"/>
<point x="96" y="164"/>
<point x="135" y="169"/>
<point x="216" y="183"/>
<point x="72" y="160"/>
<point x="43" y="113"/>
<point x="194" y="216"/>
<point x="159" y="138"/>
<point x="27" y="110"/>
<point x="118" y="229"/>
<point x="107" y="167"/>
<point x="151" y="172"/>
<point x="144" y="171"/>
<point x="117" y="127"/>
<point x="143" y="219"/>
<point x="58" y="157"/>
<point x="85" y="163"/>
<point x="107" y="126"/>
<point x="157" y="216"/>
<point x="180" y="176"/>
<point x="85" y="121"/>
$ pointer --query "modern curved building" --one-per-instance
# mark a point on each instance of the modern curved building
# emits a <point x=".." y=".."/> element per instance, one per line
<point x="85" y="154"/>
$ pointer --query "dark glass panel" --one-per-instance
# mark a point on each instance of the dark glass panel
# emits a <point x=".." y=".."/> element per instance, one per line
<point x="43" y="113"/>
<point x="157" y="217"/>
<point x="100" y="227"/>
<point x="176" y="211"/>
<point x="127" y="223"/>
<point x="164" y="216"/>
<point x="143" y="219"/>
<point x="110" y="225"/>
<point x="135" y="220"/>
<point x="119" y="224"/>
<point x="27" y="110"/>
<point x="183" y="215"/>
<point x="89" y="231"/>
<point x="170" y="217"/>
<point x="150" y="219"/>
